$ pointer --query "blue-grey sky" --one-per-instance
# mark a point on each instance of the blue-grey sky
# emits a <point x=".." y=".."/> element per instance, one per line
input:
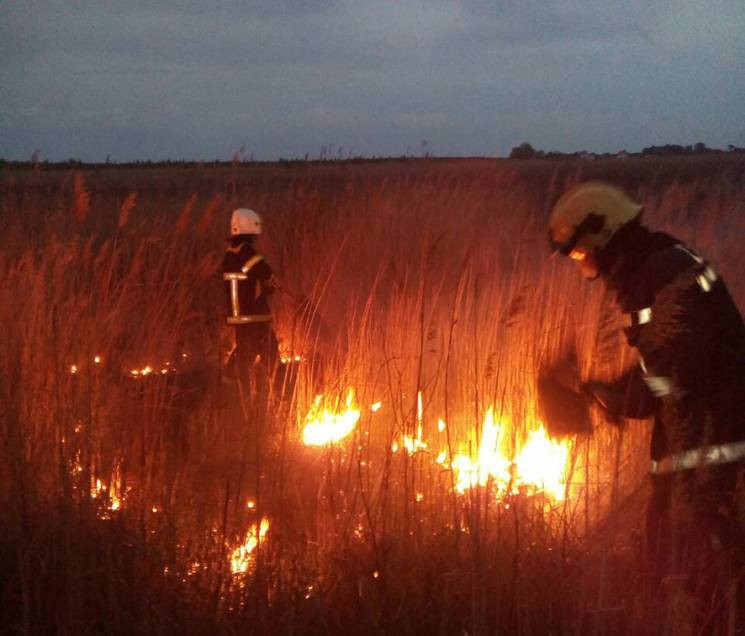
<point x="282" y="78"/>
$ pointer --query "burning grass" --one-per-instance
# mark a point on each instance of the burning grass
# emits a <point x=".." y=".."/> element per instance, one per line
<point x="400" y="480"/>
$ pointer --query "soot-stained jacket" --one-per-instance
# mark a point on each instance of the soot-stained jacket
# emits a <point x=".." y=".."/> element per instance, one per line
<point x="248" y="283"/>
<point x="690" y="337"/>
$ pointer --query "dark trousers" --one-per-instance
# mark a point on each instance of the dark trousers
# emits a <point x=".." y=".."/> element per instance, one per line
<point x="696" y="547"/>
<point x="257" y="344"/>
<point x="256" y="357"/>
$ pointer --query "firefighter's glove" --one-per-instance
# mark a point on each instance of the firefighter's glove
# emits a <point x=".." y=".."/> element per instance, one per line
<point x="596" y="392"/>
<point x="601" y="394"/>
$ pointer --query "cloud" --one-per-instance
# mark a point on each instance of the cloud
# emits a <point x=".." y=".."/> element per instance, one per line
<point x="287" y="76"/>
<point x="422" y="121"/>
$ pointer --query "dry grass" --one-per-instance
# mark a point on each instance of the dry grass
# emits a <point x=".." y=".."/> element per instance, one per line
<point x="427" y="276"/>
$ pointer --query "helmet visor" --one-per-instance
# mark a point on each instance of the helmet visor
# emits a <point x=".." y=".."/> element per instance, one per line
<point x="563" y="247"/>
<point x="566" y="238"/>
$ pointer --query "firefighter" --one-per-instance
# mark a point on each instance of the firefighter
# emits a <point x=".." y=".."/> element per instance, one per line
<point x="249" y="283"/>
<point x="690" y="379"/>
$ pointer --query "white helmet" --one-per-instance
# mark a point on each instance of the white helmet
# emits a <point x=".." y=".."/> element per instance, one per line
<point x="245" y="221"/>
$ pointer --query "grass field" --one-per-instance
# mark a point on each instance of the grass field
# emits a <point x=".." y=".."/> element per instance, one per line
<point x="140" y="494"/>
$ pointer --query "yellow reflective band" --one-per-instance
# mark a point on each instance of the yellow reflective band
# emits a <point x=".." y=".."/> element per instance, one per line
<point x="641" y="317"/>
<point x="248" y="265"/>
<point x="577" y="255"/>
<point x="234" y="276"/>
<point x="706" y="278"/>
<point x="721" y="454"/>
<point x="660" y="385"/>
<point x="234" y="302"/>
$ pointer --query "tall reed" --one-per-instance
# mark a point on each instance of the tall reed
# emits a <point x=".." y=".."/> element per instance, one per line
<point x="124" y="494"/>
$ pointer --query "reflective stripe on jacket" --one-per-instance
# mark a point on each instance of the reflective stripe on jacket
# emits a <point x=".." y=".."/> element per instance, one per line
<point x="247" y="286"/>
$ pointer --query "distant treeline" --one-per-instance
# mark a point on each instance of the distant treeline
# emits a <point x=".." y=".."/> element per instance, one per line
<point x="190" y="163"/>
<point x="526" y="151"/>
<point x="523" y="151"/>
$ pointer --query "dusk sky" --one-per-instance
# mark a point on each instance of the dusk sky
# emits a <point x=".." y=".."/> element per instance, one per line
<point x="282" y="78"/>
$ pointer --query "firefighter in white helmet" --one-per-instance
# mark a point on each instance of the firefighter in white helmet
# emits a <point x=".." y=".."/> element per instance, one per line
<point x="249" y="283"/>
<point x="690" y="378"/>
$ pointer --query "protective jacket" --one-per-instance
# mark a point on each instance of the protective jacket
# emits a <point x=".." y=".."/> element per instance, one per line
<point x="247" y="278"/>
<point x="690" y="337"/>
<point x="249" y="284"/>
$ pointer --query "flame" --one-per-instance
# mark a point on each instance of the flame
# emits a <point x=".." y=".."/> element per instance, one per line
<point x="414" y="444"/>
<point x="541" y="463"/>
<point x="110" y="494"/>
<point x="286" y="353"/>
<point x="146" y="370"/>
<point x="490" y="462"/>
<point x="326" y="427"/>
<point x="242" y="557"/>
<point x="77" y="468"/>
